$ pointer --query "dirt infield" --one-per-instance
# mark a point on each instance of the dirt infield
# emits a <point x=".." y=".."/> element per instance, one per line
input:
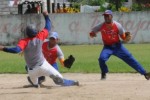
<point x="116" y="87"/>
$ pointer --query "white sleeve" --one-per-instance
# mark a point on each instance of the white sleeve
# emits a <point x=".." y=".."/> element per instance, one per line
<point x="97" y="28"/>
<point x="120" y="28"/>
<point x="60" y="54"/>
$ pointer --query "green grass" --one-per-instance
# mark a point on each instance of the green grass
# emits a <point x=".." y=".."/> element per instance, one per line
<point x="86" y="59"/>
<point x="11" y="63"/>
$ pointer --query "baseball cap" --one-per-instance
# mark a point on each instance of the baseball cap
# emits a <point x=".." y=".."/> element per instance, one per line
<point x="107" y="12"/>
<point x="54" y="35"/>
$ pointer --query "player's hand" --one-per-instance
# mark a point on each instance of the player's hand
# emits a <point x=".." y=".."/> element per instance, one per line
<point x="45" y="13"/>
<point x="21" y="53"/>
<point x="1" y="48"/>
<point x="128" y="36"/>
<point x="92" y="34"/>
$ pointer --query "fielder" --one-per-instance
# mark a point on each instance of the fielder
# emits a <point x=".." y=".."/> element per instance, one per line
<point x="32" y="47"/>
<point x="111" y="32"/>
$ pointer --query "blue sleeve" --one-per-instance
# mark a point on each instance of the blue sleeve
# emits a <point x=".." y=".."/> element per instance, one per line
<point x="47" y="23"/>
<point x="16" y="49"/>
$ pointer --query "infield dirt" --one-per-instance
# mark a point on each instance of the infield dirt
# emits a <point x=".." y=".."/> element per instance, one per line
<point x="115" y="87"/>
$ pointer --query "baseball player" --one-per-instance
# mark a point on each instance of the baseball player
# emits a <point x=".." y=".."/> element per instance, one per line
<point x="32" y="47"/>
<point x="111" y="32"/>
<point x="51" y="52"/>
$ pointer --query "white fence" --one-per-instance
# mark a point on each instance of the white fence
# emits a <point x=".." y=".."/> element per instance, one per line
<point x="74" y="28"/>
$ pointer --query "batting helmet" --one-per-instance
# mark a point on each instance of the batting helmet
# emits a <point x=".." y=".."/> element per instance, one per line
<point x="31" y="30"/>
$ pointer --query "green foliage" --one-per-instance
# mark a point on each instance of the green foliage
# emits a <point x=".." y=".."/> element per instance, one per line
<point x="92" y="2"/>
<point x="72" y="0"/>
<point x="112" y="7"/>
<point x="76" y="5"/>
<point x="96" y="2"/>
<point x="136" y="7"/>
<point x="102" y="9"/>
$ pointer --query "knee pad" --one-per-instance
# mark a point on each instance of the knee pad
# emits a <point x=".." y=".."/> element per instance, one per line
<point x="58" y="80"/>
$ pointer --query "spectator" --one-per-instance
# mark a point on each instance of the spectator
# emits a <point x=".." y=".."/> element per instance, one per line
<point x="28" y="11"/>
<point x="33" y="9"/>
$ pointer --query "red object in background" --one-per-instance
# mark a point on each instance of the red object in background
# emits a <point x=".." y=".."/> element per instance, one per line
<point x="38" y="8"/>
<point x="15" y="2"/>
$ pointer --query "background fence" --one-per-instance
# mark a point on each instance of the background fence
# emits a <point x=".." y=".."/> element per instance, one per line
<point x="74" y="28"/>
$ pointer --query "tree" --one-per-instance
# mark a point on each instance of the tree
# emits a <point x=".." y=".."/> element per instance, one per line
<point x="117" y="3"/>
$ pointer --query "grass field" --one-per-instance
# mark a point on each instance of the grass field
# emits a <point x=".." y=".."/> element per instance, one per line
<point x="86" y="59"/>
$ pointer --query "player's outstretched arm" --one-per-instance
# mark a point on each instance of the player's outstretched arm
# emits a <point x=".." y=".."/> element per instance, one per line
<point x="44" y="33"/>
<point x="16" y="49"/>
<point x="47" y="21"/>
<point x="61" y="61"/>
<point x="95" y="30"/>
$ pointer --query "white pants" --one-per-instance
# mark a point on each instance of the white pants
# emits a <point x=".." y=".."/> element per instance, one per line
<point x="44" y="70"/>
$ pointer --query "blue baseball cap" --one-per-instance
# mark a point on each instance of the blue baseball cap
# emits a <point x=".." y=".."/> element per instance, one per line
<point x="54" y="35"/>
<point x="108" y="12"/>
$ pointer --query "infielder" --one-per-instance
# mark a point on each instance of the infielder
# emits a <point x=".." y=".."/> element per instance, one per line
<point x="111" y="31"/>
<point x="32" y="47"/>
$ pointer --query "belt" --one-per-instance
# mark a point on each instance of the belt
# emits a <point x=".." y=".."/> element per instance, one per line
<point x="33" y="68"/>
<point x="113" y="45"/>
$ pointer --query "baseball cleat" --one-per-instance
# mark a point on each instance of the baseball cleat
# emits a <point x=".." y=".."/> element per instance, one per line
<point x="76" y="83"/>
<point x="103" y="76"/>
<point x="147" y="76"/>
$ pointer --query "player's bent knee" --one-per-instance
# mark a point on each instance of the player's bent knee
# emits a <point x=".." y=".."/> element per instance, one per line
<point x="101" y="60"/>
<point x="58" y="80"/>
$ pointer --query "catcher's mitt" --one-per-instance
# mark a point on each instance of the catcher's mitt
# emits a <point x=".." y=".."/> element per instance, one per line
<point x="128" y="36"/>
<point x="69" y="61"/>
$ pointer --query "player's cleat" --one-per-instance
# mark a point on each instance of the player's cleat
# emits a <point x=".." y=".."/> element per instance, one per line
<point x="76" y="83"/>
<point x="29" y="80"/>
<point x="41" y="80"/>
<point x="147" y="76"/>
<point x="103" y="76"/>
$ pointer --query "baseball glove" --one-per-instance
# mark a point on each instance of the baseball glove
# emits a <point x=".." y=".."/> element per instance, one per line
<point x="92" y="34"/>
<point x="128" y="36"/>
<point x="69" y="61"/>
